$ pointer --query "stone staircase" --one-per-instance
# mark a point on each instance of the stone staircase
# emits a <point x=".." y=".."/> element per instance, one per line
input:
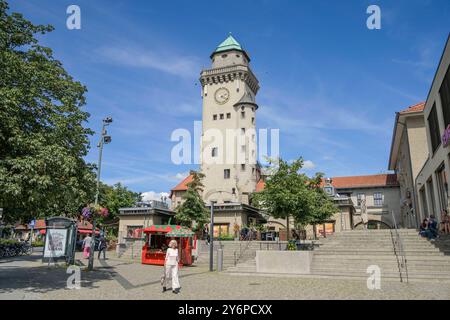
<point x="348" y="254"/>
<point x="244" y="261"/>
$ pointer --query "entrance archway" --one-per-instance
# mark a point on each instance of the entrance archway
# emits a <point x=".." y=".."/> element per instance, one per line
<point x="373" y="225"/>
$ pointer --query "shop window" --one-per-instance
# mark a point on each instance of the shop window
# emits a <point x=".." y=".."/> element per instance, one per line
<point x="433" y="126"/>
<point x="134" y="231"/>
<point x="378" y="199"/>
<point x="226" y="174"/>
<point x="444" y="92"/>
<point x="221" y="230"/>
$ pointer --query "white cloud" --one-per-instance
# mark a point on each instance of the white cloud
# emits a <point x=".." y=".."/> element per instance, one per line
<point x="152" y="195"/>
<point x="308" y="165"/>
<point x="181" y="175"/>
<point x="184" y="66"/>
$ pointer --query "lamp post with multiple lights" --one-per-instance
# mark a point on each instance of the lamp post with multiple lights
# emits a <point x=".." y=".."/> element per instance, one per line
<point x="104" y="139"/>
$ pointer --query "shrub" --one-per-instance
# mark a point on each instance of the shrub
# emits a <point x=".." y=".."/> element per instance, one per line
<point x="226" y="238"/>
<point x="38" y="243"/>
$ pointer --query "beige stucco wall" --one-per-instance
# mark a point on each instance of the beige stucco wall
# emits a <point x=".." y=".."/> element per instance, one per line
<point x="383" y="213"/>
<point x="176" y="199"/>
<point x="137" y="220"/>
<point x="411" y="156"/>
<point x="441" y="155"/>
<point x="216" y="188"/>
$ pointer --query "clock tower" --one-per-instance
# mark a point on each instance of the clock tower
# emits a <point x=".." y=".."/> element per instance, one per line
<point x="228" y="145"/>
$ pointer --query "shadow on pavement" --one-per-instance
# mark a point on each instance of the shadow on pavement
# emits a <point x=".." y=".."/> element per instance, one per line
<point x="43" y="279"/>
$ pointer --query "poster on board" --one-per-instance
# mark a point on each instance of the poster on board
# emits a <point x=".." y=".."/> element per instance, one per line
<point x="55" y="243"/>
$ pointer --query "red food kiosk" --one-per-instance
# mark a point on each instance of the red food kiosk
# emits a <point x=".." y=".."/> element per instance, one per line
<point x="157" y="238"/>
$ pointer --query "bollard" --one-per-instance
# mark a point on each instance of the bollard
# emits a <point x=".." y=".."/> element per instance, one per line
<point x="219" y="259"/>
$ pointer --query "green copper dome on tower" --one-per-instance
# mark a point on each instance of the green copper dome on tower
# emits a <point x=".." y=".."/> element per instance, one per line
<point x="230" y="43"/>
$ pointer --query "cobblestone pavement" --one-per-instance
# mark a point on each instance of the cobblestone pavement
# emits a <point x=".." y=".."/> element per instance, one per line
<point x="28" y="278"/>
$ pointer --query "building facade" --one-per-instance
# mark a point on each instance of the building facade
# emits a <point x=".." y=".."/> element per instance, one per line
<point x="409" y="151"/>
<point x="381" y="193"/>
<point x="432" y="180"/>
<point x="133" y="220"/>
<point x="228" y="145"/>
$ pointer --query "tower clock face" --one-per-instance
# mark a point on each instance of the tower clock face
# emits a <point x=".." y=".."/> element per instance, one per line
<point x="222" y="95"/>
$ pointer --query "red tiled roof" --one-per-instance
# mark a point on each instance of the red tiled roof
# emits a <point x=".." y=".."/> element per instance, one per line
<point x="377" y="180"/>
<point x="415" y="108"/>
<point x="182" y="186"/>
<point x="260" y="185"/>
<point x="40" y="224"/>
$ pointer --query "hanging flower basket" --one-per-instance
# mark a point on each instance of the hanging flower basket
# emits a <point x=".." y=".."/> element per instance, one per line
<point x="94" y="211"/>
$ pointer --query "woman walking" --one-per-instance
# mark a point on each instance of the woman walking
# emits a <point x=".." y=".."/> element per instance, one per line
<point x="171" y="267"/>
<point x="86" y="246"/>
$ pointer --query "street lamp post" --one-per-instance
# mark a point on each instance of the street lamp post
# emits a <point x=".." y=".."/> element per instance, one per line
<point x="104" y="139"/>
<point x="211" y="232"/>
<point x="211" y="239"/>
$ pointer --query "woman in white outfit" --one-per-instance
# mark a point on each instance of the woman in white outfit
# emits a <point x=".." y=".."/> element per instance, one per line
<point x="171" y="267"/>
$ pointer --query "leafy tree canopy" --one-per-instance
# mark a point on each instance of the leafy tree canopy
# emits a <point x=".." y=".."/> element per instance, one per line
<point x="290" y="193"/>
<point x="193" y="208"/>
<point x="42" y="135"/>
<point x="115" y="197"/>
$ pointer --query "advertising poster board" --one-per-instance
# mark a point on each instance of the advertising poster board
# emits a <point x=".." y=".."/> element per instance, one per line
<point x="55" y="243"/>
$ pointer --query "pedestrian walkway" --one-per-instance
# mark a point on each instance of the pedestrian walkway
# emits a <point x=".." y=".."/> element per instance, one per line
<point x="28" y="278"/>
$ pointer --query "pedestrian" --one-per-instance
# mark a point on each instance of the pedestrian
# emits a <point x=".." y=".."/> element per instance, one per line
<point x="86" y="246"/>
<point x="206" y="234"/>
<point x="433" y="226"/>
<point x="171" y="268"/>
<point x="445" y="224"/>
<point x="102" y="245"/>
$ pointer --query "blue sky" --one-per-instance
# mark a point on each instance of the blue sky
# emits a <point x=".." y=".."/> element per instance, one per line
<point x="329" y="84"/>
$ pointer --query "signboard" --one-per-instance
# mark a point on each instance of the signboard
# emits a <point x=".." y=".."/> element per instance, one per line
<point x="55" y="243"/>
<point x="446" y="137"/>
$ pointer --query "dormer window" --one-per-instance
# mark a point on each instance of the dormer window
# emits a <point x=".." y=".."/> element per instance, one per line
<point x="224" y="56"/>
<point x="238" y="56"/>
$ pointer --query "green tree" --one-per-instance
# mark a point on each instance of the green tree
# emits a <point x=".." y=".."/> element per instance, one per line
<point x="288" y="193"/>
<point x="115" y="197"/>
<point x="42" y="135"/>
<point x="193" y="208"/>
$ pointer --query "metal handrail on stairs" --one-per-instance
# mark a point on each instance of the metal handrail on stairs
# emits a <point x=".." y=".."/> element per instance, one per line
<point x="399" y="251"/>
<point x="248" y="239"/>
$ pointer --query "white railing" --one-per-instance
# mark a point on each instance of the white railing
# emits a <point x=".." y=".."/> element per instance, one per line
<point x="399" y="251"/>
